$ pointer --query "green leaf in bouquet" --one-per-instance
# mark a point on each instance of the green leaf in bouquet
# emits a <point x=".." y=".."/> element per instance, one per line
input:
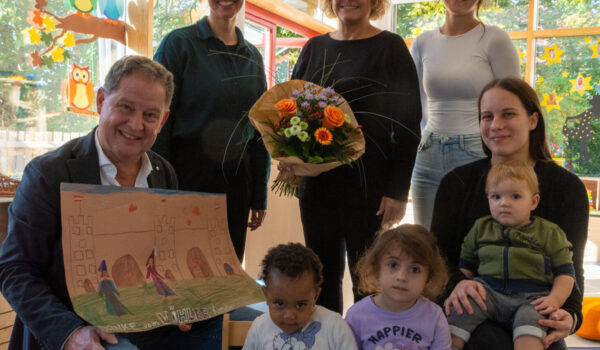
<point x="329" y="159"/>
<point x="315" y="160"/>
<point x="290" y="151"/>
<point x="306" y="150"/>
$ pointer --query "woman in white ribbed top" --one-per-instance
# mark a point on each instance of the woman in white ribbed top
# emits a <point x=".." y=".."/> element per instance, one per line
<point x="454" y="62"/>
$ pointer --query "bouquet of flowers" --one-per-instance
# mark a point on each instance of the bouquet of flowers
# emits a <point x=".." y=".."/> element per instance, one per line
<point x="309" y="127"/>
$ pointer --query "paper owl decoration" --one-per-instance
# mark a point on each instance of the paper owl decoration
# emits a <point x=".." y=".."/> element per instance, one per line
<point x="112" y="9"/>
<point x="80" y="91"/>
<point x="83" y="6"/>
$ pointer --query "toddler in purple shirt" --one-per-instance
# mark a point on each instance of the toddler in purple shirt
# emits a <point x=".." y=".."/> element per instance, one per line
<point x="403" y="268"/>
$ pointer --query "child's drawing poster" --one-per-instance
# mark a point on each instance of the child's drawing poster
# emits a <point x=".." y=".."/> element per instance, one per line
<point x="137" y="259"/>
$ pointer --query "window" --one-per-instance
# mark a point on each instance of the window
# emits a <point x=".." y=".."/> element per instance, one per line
<point x="45" y="58"/>
<point x="33" y="101"/>
<point x="279" y="40"/>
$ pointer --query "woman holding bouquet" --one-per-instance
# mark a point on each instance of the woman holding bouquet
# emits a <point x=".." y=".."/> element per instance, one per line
<point x="372" y="69"/>
<point x="454" y="62"/>
<point x="207" y="138"/>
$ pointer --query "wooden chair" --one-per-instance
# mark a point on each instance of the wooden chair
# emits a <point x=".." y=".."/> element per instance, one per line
<point x="7" y="318"/>
<point x="234" y="332"/>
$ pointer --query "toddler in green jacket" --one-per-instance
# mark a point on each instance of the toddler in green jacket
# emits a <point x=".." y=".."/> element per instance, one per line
<point x="523" y="262"/>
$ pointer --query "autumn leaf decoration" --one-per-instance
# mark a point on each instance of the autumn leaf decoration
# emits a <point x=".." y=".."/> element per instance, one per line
<point x="58" y="34"/>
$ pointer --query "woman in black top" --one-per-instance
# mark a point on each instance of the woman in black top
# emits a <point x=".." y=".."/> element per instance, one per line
<point x="512" y="127"/>
<point x="372" y="69"/>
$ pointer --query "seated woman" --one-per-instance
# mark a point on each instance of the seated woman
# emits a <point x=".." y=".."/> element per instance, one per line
<point x="512" y="128"/>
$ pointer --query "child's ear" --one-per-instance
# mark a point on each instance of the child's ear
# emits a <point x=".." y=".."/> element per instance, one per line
<point x="535" y="200"/>
<point x="317" y="294"/>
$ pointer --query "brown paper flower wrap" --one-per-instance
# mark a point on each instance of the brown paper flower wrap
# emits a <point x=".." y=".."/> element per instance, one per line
<point x="313" y="135"/>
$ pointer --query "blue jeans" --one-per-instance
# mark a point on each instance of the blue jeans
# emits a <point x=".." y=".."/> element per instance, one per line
<point x="438" y="155"/>
<point x="205" y="335"/>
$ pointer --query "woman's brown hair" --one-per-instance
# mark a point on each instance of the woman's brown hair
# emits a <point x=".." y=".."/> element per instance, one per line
<point x="414" y="241"/>
<point x="538" y="145"/>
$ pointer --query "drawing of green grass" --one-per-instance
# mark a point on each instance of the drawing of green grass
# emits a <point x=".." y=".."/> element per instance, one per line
<point x="216" y="294"/>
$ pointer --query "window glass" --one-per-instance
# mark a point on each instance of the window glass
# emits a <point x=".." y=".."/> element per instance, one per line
<point x="258" y="36"/>
<point x="311" y="7"/>
<point x="416" y="17"/>
<point x="510" y="15"/>
<point x="567" y="80"/>
<point x="171" y="14"/>
<point x="285" y="55"/>
<point x="568" y="14"/>
<point x="521" y="45"/>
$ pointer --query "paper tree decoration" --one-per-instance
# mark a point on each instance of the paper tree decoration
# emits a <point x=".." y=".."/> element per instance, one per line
<point x="58" y="34"/>
<point x="595" y="49"/>
<point x="583" y="130"/>
<point x="552" y="54"/>
<point x="551" y="101"/>
<point x="581" y="84"/>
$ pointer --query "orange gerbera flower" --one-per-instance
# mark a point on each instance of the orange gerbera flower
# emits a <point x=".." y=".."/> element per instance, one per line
<point x="286" y="107"/>
<point x="324" y="136"/>
<point x="334" y="117"/>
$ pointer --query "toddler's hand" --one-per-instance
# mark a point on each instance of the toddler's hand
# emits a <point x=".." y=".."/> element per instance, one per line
<point x="459" y="297"/>
<point x="546" y="305"/>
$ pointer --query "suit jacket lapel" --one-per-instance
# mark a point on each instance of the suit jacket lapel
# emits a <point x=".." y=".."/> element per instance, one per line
<point x="84" y="167"/>
<point x="156" y="179"/>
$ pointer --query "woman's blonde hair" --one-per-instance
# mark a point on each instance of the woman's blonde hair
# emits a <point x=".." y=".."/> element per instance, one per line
<point x="414" y="241"/>
<point x="378" y="8"/>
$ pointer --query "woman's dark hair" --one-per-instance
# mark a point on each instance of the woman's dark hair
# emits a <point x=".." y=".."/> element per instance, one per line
<point x="292" y="260"/>
<point x="538" y="145"/>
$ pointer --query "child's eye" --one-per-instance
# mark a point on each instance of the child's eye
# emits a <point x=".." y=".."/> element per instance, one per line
<point x="278" y="303"/>
<point x="300" y="305"/>
<point x="392" y="265"/>
<point x="494" y="196"/>
<point x="415" y="269"/>
<point x="516" y="196"/>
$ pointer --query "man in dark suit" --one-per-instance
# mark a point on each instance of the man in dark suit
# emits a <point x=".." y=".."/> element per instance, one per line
<point x="133" y="106"/>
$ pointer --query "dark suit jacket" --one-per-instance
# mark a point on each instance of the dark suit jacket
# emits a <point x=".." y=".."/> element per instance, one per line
<point x="31" y="259"/>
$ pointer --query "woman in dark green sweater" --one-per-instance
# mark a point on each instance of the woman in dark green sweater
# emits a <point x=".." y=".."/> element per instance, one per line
<point x="208" y="139"/>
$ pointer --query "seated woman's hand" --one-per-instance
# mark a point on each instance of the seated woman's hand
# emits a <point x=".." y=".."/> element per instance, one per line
<point x="560" y="323"/>
<point x="282" y="166"/>
<point x="459" y="297"/>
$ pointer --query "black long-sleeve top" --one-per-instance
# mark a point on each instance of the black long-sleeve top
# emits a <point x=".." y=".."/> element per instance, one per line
<point x="461" y="200"/>
<point x="377" y="76"/>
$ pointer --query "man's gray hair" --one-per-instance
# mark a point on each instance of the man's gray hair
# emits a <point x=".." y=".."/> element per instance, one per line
<point x="153" y="71"/>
